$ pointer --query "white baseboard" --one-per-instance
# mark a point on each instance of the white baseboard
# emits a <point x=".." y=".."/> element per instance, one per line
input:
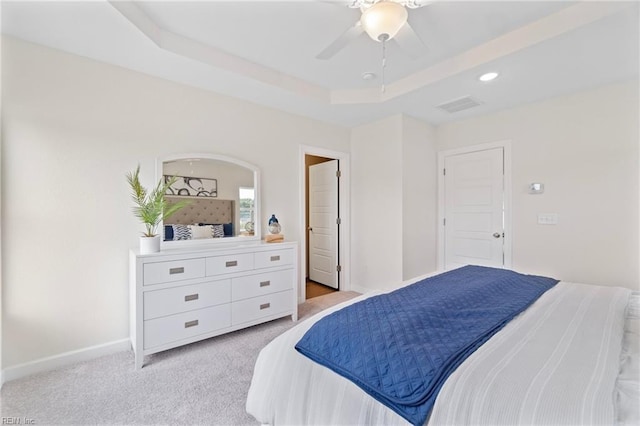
<point x="64" y="359"/>
<point x="361" y="290"/>
<point x="396" y="285"/>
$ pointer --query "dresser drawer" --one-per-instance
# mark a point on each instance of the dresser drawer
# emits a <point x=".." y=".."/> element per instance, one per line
<point x="261" y="284"/>
<point x="160" y="303"/>
<point x="165" y="330"/>
<point x="163" y="272"/>
<point x="217" y="265"/>
<point x="267" y="259"/>
<point x="262" y="306"/>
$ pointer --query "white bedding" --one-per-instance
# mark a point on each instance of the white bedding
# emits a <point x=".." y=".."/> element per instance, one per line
<point x="559" y="362"/>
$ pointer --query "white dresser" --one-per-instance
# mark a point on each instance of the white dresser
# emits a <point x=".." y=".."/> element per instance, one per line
<point x="182" y="296"/>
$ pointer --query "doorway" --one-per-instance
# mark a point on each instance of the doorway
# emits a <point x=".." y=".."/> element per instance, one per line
<point x="324" y="224"/>
<point x="474" y="206"/>
<point x="323" y="228"/>
<point x="323" y="221"/>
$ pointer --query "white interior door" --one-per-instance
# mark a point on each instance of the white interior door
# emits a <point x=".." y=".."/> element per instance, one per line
<point x="474" y="209"/>
<point x="323" y="223"/>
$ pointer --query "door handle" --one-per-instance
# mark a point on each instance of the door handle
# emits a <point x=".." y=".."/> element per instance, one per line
<point x="496" y="235"/>
<point x="310" y="229"/>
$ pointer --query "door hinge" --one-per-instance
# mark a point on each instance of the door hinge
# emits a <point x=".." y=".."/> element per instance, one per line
<point x="338" y="173"/>
<point x="338" y="268"/>
<point x="444" y="222"/>
<point x="338" y="221"/>
<point x="444" y="172"/>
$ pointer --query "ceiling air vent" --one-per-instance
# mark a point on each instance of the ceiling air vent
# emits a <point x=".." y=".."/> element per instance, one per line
<point x="459" y="104"/>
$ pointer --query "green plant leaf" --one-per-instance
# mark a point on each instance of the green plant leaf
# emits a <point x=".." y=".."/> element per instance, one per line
<point x="151" y="207"/>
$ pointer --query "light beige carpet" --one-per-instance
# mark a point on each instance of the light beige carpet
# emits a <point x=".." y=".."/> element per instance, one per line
<point x="203" y="383"/>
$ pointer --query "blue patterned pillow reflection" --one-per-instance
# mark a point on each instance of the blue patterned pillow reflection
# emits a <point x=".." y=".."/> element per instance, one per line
<point x="181" y="232"/>
<point x="218" y="231"/>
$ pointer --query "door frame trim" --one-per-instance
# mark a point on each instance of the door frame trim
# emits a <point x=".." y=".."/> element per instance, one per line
<point x="344" y="206"/>
<point x="508" y="238"/>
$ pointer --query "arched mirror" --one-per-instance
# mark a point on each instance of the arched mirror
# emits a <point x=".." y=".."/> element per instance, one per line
<point x="222" y="196"/>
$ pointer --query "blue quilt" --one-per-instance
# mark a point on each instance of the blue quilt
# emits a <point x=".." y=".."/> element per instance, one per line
<point x="400" y="347"/>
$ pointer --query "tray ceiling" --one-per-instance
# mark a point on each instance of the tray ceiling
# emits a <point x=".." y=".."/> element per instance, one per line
<point x="265" y="51"/>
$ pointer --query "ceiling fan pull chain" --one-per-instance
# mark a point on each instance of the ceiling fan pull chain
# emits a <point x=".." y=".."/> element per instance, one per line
<point x="384" y="61"/>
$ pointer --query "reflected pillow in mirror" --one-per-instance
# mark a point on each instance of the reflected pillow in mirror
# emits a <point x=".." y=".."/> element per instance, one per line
<point x="181" y="232"/>
<point x="218" y="231"/>
<point x="199" y="232"/>
<point x="168" y="232"/>
<point x="228" y="228"/>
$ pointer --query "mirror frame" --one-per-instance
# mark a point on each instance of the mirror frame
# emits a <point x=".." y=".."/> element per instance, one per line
<point x="257" y="233"/>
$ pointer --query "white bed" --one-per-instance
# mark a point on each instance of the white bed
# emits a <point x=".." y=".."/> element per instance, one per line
<point x="570" y="358"/>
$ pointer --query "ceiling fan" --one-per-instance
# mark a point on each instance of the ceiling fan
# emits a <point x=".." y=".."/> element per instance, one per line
<point x="382" y="20"/>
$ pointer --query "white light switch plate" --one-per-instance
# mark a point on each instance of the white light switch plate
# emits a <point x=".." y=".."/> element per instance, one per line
<point x="547" y="218"/>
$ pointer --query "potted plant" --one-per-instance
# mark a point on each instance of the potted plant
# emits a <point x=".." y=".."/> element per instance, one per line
<point x="151" y="208"/>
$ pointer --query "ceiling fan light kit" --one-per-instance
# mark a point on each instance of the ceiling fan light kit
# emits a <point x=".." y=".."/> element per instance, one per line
<point x="383" y="20"/>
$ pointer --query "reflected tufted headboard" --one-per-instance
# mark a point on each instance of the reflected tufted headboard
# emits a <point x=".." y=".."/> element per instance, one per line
<point x="201" y="210"/>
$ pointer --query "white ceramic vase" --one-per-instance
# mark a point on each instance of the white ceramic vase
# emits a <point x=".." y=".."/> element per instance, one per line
<point x="149" y="245"/>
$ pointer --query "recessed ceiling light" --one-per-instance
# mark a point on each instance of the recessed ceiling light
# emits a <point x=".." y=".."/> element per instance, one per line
<point x="368" y="76"/>
<point x="488" y="76"/>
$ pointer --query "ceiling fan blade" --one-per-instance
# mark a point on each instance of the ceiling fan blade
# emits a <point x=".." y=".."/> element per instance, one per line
<point x="341" y="3"/>
<point x="409" y="42"/>
<point x="415" y="4"/>
<point x="339" y="44"/>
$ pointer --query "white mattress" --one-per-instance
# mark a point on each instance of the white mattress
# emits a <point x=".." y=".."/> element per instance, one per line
<point x="627" y="396"/>
<point x="562" y="361"/>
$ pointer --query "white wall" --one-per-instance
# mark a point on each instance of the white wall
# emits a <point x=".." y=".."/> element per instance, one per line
<point x="584" y="148"/>
<point x="393" y="202"/>
<point x="73" y="128"/>
<point x="376" y="204"/>
<point x="1" y="226"/>
<point x="419" y="198"/>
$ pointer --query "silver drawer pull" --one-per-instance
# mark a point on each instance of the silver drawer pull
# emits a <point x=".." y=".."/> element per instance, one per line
<point x="265" y="283"/>
<point x="265" y="306"/>
<point x="179" y="270"/>
<point x="231" y="263"/>
<point x="275" y="258"/>
<point x="190" y="323"/>
<point x="190" y="297"/>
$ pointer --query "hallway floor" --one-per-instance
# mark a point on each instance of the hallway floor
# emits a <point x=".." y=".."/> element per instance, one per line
<point x="313" y="289"/>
